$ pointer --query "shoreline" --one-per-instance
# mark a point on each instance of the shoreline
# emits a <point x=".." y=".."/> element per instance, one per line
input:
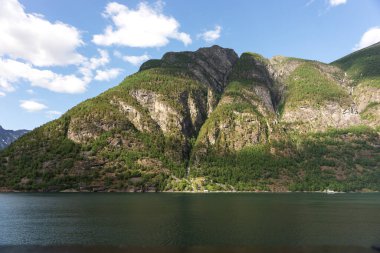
<point x="187" y="192"/>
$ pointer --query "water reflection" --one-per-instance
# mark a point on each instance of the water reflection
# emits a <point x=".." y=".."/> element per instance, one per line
<point x="108" y="249"/>
<point x="191" y="220"/>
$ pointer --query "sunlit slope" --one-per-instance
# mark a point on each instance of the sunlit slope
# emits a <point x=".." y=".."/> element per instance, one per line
<point x="210" y="120"/>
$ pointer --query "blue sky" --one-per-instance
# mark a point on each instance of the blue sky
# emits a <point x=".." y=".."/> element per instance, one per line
<point x="55" y="54"/>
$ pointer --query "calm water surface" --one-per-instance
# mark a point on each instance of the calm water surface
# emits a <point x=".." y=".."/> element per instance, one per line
<point x="190" y="220"/>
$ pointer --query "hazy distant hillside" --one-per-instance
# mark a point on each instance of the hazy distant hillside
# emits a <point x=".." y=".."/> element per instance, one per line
<point x="211" y="120"/>
<point x="9" y="136"/>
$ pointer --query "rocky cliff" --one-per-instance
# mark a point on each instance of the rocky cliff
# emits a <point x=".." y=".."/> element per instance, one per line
<point x="211" y="120"/>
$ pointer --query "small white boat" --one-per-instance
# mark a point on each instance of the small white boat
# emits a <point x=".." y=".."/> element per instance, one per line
<point x="328" y="191"/>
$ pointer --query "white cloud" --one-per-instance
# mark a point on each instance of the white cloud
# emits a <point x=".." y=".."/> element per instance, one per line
<point x="4" y="83"/>
<point x="334" y="3"/>
<point x="145" y="26"/>
<point x="95" y="62"/>
<point x="136" y="60"/>
<point x="32" y="106"/>
<point x="108" y="74"/>
<point x="2" y="94"/>
<point x="369" y="37"/>
<point x="32" y="38"/>
<point x="53" y="114"/>
<point x="12" y="71"/>
<point x="133" y="59"/>
<point x="30" y="91"/>
<point x="211" y="35"/>
<point x="28" y="42"/>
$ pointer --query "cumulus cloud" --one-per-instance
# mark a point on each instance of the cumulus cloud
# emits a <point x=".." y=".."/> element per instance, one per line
<point x="32" y="38"/>
<point x="5" y="84"/>
<point x="32" y="106"/>
<point x="29" y="42"/>
<point x="96" y="62"/>
<point x="145" y="26"/>
<point x="211" y="35"/>
<point x="334" y="3"/>
<point x="12" y="71"/>
<point x="370" y="37"/>
<point x="2" y="94"/>
<point x="136" y="60"/>
<point x="107" y="74"/>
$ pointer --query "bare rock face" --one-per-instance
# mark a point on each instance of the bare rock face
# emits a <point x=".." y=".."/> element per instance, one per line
<point x="212" y="101"/>
<point x="280" y="67"/>
<point x="364" y="95"/>
<point x="217" y="62"/>
<point x="210" y="66"/>
<point x="331" y="115"/>
<point x="82" y="131"/>
<point x="256" y="71"/>
<point x="134" y="116"/>
<point x="266" y="98"/>
<point x="169" y="120"/>
<point x="197" y="111"/>
<point x="230" y="130"/>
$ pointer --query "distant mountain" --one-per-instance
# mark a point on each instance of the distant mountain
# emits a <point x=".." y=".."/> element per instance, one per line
<point x="9" y="136"/>
<point x="211" y="120"/>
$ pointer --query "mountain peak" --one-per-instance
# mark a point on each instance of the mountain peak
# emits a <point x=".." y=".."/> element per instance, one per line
<point x="209" y="65"/>
<point x="218" y="51"/>
<point x="183" y="58"/>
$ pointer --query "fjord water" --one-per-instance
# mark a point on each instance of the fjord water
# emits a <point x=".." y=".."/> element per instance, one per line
<point x="188" y="220"/>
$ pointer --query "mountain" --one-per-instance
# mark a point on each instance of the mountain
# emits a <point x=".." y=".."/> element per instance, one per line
<point x="9" y="136"/>
<point x="211" y="120"/>
<point x="362" y="67"/>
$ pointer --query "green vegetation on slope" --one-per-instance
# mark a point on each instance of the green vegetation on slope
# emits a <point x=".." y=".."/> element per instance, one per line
<point x="118" y="156"/>
<point x="369" y="112"/>
<point x="239" y="117"/>
<point x="340" y="160"/>
<point x="242" y="145"/>
<point x="307" y="85"/>
<point x="363" y="65"/>
<point x="41" y="159"/>
<point x="250" y="68"/>
<point x="238" y="100"/>
<point x="171" y="83"/>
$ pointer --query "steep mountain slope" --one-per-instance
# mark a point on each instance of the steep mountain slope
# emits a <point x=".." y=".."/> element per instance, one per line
<point x="307" y="132"/>
<point x="9" y="136"/>
<point x="210" y="120"/>
<point x="362" y="67"/>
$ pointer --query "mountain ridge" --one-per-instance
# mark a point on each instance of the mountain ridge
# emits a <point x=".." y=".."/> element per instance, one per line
<point x="211" y="120"/>
<point x="9" y="136"/>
